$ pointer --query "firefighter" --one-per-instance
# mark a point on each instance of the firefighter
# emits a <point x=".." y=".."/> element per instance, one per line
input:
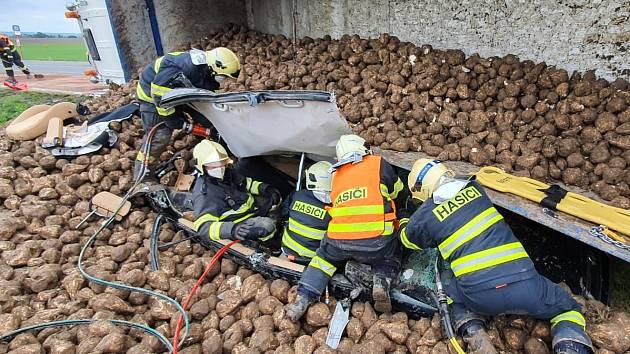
<point x="226" y="204"/>
<point x="491" y="272"/>
<point x="308" y="218"/>
<point x="194" y="68"/>
<point x="10" y="56"/>
<point x="365" y="192"/>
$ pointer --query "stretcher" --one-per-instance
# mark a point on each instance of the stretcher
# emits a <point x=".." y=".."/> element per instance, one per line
<point x="555" y="197"/>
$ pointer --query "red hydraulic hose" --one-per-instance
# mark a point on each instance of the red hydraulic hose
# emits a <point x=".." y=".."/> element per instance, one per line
<point x="194" y="289"/>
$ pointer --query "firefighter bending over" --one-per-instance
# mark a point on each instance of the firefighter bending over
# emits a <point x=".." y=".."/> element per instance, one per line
<point x="228" y="205"/>
<point x="491" y="272"/>
<point x="365" y="193"/>
<point x="308" y="218"/>
<point x="10" y="56"/>
<point x="194" y="68"/>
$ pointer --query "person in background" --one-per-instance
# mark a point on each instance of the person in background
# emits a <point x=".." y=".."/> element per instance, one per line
<point x="10" y="56"/>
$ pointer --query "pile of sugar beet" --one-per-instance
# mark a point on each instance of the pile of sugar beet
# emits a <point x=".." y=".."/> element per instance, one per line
<point x="236" y="310"/>
<point x="528" y="118"/>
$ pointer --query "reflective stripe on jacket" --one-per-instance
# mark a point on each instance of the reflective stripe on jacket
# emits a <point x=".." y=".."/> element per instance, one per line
<point x="308" y="221"/>
<point x="160" y="77"/>
<point x="472" y="236"/>
<point x="361" y="209"/>
<point x="218" y="201"/>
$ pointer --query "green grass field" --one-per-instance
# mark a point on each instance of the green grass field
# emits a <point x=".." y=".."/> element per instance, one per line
<point x="54" y="51"/>
<point x="13" y="103"/>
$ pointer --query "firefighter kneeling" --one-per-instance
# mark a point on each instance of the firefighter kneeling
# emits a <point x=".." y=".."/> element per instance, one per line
<point x="308" y="218"/>
<point x="362" y="226"/>
<point x="491" y="272"/>
<point x="228" y="205"/>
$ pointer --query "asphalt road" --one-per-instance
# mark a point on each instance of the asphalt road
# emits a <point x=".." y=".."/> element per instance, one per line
<point x="75" y="68"/>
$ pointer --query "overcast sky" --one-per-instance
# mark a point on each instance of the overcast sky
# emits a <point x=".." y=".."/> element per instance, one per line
<point x="36" y="16"/>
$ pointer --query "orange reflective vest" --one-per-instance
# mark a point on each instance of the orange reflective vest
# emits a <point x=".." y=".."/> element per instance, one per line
<point x="358" y="210"/>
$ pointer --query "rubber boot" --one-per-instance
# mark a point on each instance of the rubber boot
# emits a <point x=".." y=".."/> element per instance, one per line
<point x="380" y="293"/>
<point x="571" y="347"/>
<point x="298" y="307"/>
<point x="478" y="341"/>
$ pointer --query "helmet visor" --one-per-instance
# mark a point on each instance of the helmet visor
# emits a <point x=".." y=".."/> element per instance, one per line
<point x="217" y="164"/>
<point x="417" y="187"/>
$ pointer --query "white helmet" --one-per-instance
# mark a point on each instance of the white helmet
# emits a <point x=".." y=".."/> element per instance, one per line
<point x="211" y="157"/>
<point x="425" y="177"/>
<point x="319" y="177"/>
<point x="350" y="144"/>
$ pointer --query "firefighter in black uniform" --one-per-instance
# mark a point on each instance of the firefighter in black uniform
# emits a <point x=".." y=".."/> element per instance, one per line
<point x="226" y="204"/>
<point x="491" y="272"/>
<point x="194" y="68"/>
<point x="10" y="56"/>
<point x="366" y="192"/>
<point x="308" y="218"/>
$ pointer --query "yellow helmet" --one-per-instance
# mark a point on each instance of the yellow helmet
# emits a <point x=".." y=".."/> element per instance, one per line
<point x="209" y="155"/>
<point x="319" y="177"/>
<point x="349" y="144"/>
<point x="425" y="176"/>
<point x="224" y="62"/>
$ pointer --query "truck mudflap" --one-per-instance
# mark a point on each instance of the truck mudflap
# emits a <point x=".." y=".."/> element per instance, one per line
<point x="412" y="297"/>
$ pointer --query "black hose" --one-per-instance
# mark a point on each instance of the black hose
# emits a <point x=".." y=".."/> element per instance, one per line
<point x="153" y="245"/>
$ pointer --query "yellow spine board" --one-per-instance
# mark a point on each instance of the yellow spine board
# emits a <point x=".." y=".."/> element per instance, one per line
<point x="574" y="204"/>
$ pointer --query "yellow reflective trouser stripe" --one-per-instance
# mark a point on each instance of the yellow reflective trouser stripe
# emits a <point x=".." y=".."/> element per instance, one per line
<point x="470" y="230"/>
<point x="305" y="231"/>
<point x="364" y="226"/>
<point x="142" y="95"/>
<point x="488" y="258"/>
<point x="204" y="218"/>
<point x="290" y="243"/>
<point x="398" y="186"/>
<point x="213" y="231"/>
<point x="165" y="111"/>
<point x="140" y="157"/>
<point x="406" y="242"/>
<point x="571" y="316"/>
<point x="156" y="65"/>
<point x="356" y="210"/>
<point x="323" y="265"/>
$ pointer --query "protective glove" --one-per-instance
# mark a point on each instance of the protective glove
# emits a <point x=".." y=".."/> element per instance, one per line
<point x="254" y="228"/>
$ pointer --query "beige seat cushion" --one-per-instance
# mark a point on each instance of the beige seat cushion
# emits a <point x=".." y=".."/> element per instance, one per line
<point x="34" y="121"/>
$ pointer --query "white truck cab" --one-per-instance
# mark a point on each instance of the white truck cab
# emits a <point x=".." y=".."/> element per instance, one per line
<point x="100" y="38"/>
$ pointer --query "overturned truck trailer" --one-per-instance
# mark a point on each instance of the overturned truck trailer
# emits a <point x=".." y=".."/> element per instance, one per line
<point x="284" y="125"/>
